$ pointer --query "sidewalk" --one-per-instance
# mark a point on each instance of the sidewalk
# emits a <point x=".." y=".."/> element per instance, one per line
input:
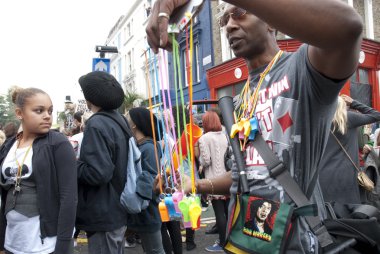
<point x="202" y="240"/>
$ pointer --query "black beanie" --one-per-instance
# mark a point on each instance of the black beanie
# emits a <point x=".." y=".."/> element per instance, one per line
<point x="102" y="90"/>
<point x="141" y="117"/>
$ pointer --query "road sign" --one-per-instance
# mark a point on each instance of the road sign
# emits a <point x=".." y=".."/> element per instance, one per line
<point x="101" y="64"/>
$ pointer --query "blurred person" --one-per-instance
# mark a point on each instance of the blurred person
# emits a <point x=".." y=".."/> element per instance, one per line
<point x="77" y="122"/>
<point x="147" y="223"/>
<point x="338" y="175"/>
<point x="2" y="137"/>
<point x="38" y="181"/>
<point x="210" y="151"/>
<point x="76" y="140"/>
<point x="10" y="129"/>
<point x="102" y="164"/>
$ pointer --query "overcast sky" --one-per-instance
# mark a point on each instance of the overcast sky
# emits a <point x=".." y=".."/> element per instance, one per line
<point x="50" y="43"/>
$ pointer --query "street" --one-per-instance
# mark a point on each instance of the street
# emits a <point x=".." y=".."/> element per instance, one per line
<point x="202" y="240"/>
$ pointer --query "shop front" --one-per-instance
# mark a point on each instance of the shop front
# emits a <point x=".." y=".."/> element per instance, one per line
<point x="229" y="78"/>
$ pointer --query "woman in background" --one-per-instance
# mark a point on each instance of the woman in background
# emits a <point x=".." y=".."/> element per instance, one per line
<point x="38" y="181"/>
<point x="210" y="150"/>
<point x="338" y="175"/>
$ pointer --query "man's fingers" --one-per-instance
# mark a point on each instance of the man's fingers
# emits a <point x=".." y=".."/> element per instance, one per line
<point x="152" y="31"/>
<point x="163" y="23"/>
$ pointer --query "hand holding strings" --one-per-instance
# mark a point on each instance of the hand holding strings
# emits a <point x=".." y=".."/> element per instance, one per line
<point x="157" y="28"/>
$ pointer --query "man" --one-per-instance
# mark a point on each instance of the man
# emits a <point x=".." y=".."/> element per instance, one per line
<point x="257" y="225"/>
<point x="101" y="166"/>
<point x="298" y="96"/>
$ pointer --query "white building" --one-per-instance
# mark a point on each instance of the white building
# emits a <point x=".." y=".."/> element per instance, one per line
<point x="129" y="36"/>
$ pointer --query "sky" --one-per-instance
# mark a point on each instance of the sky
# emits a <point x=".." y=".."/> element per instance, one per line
<point x="49" y="44"/>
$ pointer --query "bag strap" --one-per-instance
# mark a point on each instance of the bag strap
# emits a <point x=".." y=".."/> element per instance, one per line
<point x="344" y="150"/>
<point x="278" y="171"/>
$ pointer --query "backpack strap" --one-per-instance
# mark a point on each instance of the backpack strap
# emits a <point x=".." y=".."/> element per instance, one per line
<point x="278" y="171"/>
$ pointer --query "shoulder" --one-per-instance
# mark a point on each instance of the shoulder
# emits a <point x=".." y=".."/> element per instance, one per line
<point x="56" y="137"/>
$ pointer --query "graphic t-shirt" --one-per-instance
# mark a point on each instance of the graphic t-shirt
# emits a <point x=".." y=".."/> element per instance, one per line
<point x="294" y="110"/>
<point x="23" y="233"/>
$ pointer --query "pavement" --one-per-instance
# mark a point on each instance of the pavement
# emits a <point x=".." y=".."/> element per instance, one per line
<point x="202" y="240"/>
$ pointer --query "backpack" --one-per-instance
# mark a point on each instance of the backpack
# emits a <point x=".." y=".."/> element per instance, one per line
<point x="129" y="198"/>
<point x="133" y="200"/>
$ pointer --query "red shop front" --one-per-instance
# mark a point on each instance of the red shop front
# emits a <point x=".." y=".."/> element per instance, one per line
<point x="229" y="77"/>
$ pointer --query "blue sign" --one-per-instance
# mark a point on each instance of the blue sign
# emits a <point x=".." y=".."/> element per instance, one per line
<point x="101" y="64"/>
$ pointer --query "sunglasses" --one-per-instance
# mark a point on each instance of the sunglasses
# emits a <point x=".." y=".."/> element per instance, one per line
<point x="236" y="13"/>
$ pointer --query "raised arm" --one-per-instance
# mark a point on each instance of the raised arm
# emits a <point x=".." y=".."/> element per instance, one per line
<point x="366" y="114"/>
<point x="331" y="27"/>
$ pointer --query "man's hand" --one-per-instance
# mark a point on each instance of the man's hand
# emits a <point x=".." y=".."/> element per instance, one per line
<point x="185" y="183"/>
<point x="157" y="28"/>
<point x="347" y="99"/>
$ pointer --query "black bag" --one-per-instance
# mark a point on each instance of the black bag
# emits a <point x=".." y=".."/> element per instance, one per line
<point x="371" y="168"/>
<point x="355" y="228"/>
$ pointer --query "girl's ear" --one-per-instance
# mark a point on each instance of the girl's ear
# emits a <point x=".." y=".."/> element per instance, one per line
<point x="18" y="112"/>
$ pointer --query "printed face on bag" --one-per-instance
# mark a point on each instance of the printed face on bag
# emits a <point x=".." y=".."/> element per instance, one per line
<point x="260" y="217"/>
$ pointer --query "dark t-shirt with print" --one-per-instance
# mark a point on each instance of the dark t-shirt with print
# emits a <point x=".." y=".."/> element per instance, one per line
<point x="295" y="108"/>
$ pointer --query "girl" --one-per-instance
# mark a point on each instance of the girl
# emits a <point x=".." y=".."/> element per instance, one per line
<point x="147" y="223"/>
<point x="38" y="181"/>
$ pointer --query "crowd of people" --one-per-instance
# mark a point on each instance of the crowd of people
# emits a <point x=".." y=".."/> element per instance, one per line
<point x="54" y="186"/>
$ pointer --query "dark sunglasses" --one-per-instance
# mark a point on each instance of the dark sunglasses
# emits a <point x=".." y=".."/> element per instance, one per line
<point x="236" y="13"/>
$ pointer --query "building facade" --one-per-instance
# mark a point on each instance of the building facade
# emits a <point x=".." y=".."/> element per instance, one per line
<point x="128" y="35"/>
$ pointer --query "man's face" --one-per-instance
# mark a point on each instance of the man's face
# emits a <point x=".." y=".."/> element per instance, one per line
<point x="246" y="34"/>
<point x="263" y="211"/>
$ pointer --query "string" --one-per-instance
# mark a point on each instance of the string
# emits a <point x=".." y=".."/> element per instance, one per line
<point x="191" y="107"/>
<point x="152" y="122"/>
<point x="155" y="89"/>
<point x="19" y="166"/>
<point x="171" y="120"/>
<point x="250" y="101"/>
<point x="178" y="85"/>
<point x="161" y="75"/>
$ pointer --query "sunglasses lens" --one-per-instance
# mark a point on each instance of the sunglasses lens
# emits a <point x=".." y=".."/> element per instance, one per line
<point x="238" y="13"/>
<point x="235" y="14"/>
<point x="224" y="20"/>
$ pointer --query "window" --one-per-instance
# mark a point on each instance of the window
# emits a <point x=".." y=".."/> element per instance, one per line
<point x="360" y="76"/>
<point x="129" y="61"/>
<point x="197" y="72"/>
<point x="227" y="52"/>
<point x="360" y="87"/>
<point x="196" y="64"/>
<point x="129" y="29"/>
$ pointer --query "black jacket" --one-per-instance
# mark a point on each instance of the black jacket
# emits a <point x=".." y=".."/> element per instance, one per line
<point x="101" y="174"/>
<point x="56" y="182"/>
<point x="149" y="220"/>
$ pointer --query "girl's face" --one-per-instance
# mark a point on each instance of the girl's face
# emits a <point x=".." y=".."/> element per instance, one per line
<point x="36" y="116"/>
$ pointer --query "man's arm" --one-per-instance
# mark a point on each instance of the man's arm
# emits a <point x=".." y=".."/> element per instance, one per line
<point x="331" y="27"/>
